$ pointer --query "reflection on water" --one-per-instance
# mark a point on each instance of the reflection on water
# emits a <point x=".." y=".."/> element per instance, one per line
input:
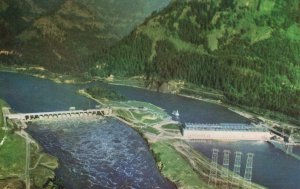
<point x="29" y="94"/>
<point x="99" y="154"/>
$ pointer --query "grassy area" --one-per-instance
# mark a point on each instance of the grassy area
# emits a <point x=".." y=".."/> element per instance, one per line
<point x="139" y="117"/>
<point x="201" y="92"/>
<point x="277" y="116"/>
<point x="14" y="183"/>
<point x="147" y="106"/>
<point x="189" y="169"/>
<point x="132" y="81"/>
<point x="172" y="126"/>
<point x="176" y="168"/>
<point x="2" y="104"/>
<point x="43" y="73"/>
<point x="151" y="130"/>
<point x="139" y="113"/>
<point x="12" y="159"/>
<point x="101" y="93"/>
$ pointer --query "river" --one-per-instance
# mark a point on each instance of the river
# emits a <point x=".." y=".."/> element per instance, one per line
<point x="272" y="168"/>
<point x="92" y="154"/>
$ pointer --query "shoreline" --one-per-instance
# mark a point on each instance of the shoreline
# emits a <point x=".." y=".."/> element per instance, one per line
<point x="39" y="166"/>
<point x="131" y="124"/>
<point x="152" y="140"/>
<point x="45" y="74"/>
<point x="189" y="158"/>
<point x="59" y="79"/>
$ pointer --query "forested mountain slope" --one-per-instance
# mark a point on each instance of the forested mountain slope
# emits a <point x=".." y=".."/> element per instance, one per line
<point x="250" y="50"/>
<point x="62" y="34"/>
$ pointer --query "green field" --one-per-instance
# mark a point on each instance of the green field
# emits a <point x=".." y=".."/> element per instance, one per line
<point x="2" y="104"/>
<point x="172" y="126"/>
<point x="140" y="118"/>
<point x="13" y="159"/>
<point x="175" y="167"/>
<point x="151" y="130"/>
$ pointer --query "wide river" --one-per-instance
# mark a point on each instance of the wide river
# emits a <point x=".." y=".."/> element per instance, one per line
<point x="108" y="154"/>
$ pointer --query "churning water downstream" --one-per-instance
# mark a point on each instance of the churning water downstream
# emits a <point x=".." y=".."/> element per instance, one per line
<point x="108" y="154"/>
<point x="99" y="154"/>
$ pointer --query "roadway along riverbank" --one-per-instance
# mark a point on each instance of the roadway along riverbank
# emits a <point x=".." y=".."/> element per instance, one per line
<point x="18" y="152"/>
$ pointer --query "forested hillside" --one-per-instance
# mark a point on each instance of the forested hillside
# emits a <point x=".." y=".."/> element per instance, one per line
<point x="61" y="35"/>
<point x="250" y="50"/>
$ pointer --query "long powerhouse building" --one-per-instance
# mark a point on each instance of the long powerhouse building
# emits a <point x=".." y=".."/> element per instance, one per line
<point x="226" y="131"/>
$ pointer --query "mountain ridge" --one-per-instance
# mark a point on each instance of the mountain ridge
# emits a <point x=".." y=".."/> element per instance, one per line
<point x="250" y="50"/>
<point x="61" y="34"/>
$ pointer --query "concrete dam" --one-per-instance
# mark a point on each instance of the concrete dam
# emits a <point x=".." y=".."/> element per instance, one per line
<point x="57" y="114"/>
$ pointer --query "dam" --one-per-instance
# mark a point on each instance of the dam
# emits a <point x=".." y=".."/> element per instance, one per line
<point x="226" y="131"/>
<point x="55" y="114"/>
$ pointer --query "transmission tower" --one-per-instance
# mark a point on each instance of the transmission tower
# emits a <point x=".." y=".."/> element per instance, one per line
<point x="237" y="167"/>
<point x="237" y="163"/>
<point x="225" y="171"/>
<point x="249" y="167"/>
<point x="289" y="148"/>
<point x="290" y="143"/>
<point x="213" y="174"/>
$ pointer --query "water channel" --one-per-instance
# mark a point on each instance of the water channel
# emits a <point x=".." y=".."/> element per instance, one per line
<point x="98" y="153"/>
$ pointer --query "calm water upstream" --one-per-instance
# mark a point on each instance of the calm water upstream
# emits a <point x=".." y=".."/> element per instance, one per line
<point x="190" y="110"/>
<point x="123" y="160"/>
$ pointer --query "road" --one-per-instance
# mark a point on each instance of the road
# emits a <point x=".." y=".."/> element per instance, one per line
<point x="27" y="158"/>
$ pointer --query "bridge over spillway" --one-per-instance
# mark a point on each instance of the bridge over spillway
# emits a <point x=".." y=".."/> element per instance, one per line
<point x="58" y="114"/>
<point x="226" y="131"/>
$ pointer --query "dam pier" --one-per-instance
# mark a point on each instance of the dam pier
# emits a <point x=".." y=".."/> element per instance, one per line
<point x="27" y="117"/>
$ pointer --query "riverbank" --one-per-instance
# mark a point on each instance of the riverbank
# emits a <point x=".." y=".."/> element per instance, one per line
<point x="134" y="113"/>
<point x="172" y="154"/>
<point x="283" y="147"/>
<point x="272" y="119"/>
<point x="179" y="88"/>
<point x="16" y="164"/>
<point x="42" y="73"/>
